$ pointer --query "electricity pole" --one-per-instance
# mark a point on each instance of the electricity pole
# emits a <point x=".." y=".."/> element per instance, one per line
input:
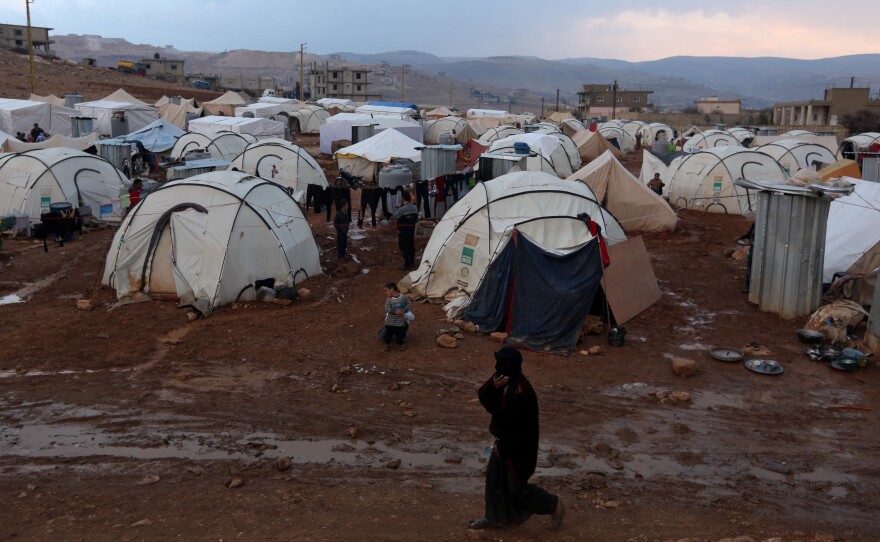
<point x="403" y="70"/>
<point x="302" y="92"/>
<point x="27" y="4"/>
<point x="557" y="100"/>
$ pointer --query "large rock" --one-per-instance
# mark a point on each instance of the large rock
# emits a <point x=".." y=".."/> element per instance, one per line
<point x="447" y="341"/>
<point x="498" y="336"/>
<point x="684" y="367"/>
<point x="283" y="463"/>
<point x="470" y="327"/>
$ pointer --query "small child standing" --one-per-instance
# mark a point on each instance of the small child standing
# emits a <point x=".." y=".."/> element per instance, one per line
<point x="396" y="307"/>
<point x="341" y="223"/>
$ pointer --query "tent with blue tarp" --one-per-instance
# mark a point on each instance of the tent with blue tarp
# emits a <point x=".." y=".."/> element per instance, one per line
<point x="396" y="104"/>
<point x="156" y="137"/>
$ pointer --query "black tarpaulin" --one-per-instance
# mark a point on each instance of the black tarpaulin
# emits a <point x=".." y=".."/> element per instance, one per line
<point x="541" y="299"/>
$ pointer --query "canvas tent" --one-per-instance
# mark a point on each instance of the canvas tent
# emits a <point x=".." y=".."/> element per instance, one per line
<point x="439" y="113"/>
<point x="799" y="133"/>
<point x="618" y="137"/>
<point x="551" y="148"/>
<point x="468" y="254"/>
<point x="223" y="145"/>
<point x="710" y="139"/>
<point x="296" y="169"/>
<point x="138" y="115"/>
<point x="448" y="125"/>
<point x="30" y="181"/>
<point x="177" y="114"/>
<point x="207" y="239"/>
<point x="259" y="128"/>
<point x="364" y="158"/>
<point x="797" y="154"/>
<point x="308" y="119"/>
<point x="591" y="145"/>
<point x="336" y="102"/>
<point x="743" y="135"/>
<point x="852" y="238"/>
<point x="652" y="164"/>
<point x="20" y="116"/>
<point x="572" y="126"/>
<point x="50" y="99"/>
<point x="55" y="141"/>
<point x="338" y="128"/>
<point x="156" y="138"/>
<point x="827" y="141"/>
<point x="850" y="146"/>
<point x="704" y="180"/>
<point x="499" y="132"/>
<point x="656" y="131"/>
<point x="392" y="111"/>
<point x="546" y="128"/>
<point x="635" y="206"/>
<point x="557" y="117"/>
<point x="224" y="105"/>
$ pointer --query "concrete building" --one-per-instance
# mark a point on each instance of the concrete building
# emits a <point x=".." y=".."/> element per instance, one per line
<point x="165" y="69"/>
<point x="15" y="37"/>
<point x="596" y="100"/>
<point x="827" y="111"/>
<point x="347" y="83"/>
<point x="711" y="105"/>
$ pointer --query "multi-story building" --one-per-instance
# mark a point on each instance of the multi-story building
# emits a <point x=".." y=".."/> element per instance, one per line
<point x="165" y="69"/>
<point x="712" y="105"/>
<point x="14" y="36"/>
<point x="600" y="99"/>
<point x="347" y="83"/>
<point x="827" y="111"/>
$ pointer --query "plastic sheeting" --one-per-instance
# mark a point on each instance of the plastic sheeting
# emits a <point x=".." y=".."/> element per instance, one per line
<point x="338" y="128"/>
<point x="103" y="111"/>
<point x="260" y="128"/>
<point x="853" y="232"/>
<point x="157" y="137"/>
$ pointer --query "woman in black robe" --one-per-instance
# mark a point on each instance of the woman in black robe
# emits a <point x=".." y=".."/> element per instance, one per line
<point x="510" y="399"/>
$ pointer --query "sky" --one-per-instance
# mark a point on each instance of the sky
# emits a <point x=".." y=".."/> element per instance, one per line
<point x="634" y="30"/>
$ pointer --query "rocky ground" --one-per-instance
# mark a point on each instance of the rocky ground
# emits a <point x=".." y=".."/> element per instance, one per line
<point x="266" y="422"/>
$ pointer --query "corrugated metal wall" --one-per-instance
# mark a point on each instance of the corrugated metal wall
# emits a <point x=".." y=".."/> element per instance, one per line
<point x="437" y="161"/>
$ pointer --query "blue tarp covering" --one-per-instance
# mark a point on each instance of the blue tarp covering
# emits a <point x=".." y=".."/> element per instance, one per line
<point x="396" y="104"/>
<point x="540" y="298"/>
<point x="155" y="137"/>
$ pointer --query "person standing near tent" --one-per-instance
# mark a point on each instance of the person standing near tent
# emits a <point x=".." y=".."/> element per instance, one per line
<point x="396" y="307"/>
<point x="407" y="216"/>
<point x="36" y="132"/>
<point x="510" y="499"/>
<point x="341" y="223"/>
<point x="656" y="184"/>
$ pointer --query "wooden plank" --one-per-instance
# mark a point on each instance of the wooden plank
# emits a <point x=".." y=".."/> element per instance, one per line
<point x="630" y="284"/>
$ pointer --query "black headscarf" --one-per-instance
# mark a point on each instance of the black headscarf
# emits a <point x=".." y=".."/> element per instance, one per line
<point x="508" y="362"/>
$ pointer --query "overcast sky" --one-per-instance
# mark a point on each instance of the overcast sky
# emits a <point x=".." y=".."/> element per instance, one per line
<point x="632" y="30"/>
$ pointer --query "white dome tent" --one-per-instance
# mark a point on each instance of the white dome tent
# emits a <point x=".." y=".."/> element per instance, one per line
<point x="571" y="148"/>
<point x="799" y="133"/>
<point x="710" y="139"/>
<point x="633" y="127"/>
<point x="618" y="137"/>
<point x="308" y="119"/>
<point x="29" y="181"/>
<point x="703" y="181"/>
<point x="222" y="145"/>
<point x="572" y="126"/>
<point x="547" y="128"/>
<point x="498" y="132"/>
<point x="549" y="147"/>
<point x="656" y="131"/>
<point x="207" y="239"/>
<point x="479" y="225"/>
<point x="457" y="125"/>
<point x="743" y="135"/>
<point x="296" y="168"/>
<point x="855" y="143"/>
<point x="796" y="154"/>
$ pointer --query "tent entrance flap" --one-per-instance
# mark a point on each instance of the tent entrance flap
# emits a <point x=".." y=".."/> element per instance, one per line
<point x="540" y="298"/>
<point x="188" y="230"/>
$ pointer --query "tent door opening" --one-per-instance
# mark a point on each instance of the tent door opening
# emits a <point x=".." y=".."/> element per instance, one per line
<point x="177" y="257"/>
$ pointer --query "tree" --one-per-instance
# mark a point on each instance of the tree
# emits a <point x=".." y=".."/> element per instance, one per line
<point x="861" y="121"/>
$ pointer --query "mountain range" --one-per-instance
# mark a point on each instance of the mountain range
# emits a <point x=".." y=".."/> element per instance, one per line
<point x="676" y="81"/>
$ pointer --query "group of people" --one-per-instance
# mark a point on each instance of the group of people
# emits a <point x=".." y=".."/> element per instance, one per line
<point x="36" y="135"/>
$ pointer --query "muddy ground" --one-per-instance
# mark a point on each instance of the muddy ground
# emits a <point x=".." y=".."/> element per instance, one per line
<point x="130" y="423"/>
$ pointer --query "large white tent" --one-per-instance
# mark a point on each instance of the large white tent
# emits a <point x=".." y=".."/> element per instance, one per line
<point x="618" y="137"/>
<point x="572" y="126"/>
<point x="392" y="111"/>
<point x="55" y="141"/>
<point x="852" y="238"/>
<point x="222" y="145"/>
<point x="363" y="159"/>
<point x="139" y="116"/>
<point x="549" y="147"/>
<point x="592" y="145"/>
<point x="710" y="139"/>
<point x="30" y="181"/>
<point x="295" y="168"/>
<point x="635" y="206"/>
<point x="796" y="154"/>
<point x="656" y="131"/>
<point x="260" y="110"/>
<point x="499" y="132"/>
<point x="20" y="116"/>
<point x="448" y="125"/>
<point x="177" y="114"/>
<point x="208" y="239"/>
<point x="308" y="119"/>
<point x="259" y="128"/>
<point x="704" y="180"/>
<point x="827" y="141"/>
<point x="338" y="128"/>
<point x="224" y="105"/>
<point x="855" y="143"/>
<point x="539" y="205"/>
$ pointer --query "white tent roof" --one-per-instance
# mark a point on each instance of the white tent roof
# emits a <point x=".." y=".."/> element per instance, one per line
<point x="399" y="112"/>
<point x="338" y="127"/>
<point x="383" y="147"/>
<point x="710" y="139"/>
<point x="548" y="146"/>
<point x="853" y="228"/>
<point x="55" y="141"/>
<point x="256" y="127"/>
<point x="433" y="129"/>
<point x="121" y="95"/>
<point x="277" y="100"/>
<point x="139" y="115"/>
<point x="859" y="141"/>
<point x="496" y="133"/>
<point x="795" y="154"/>
<point x="540" y="205"/>
<point x="296" y="169"/>
<point x="20" y="116"/>
<point x="50" y="99"/>
<point x="612" y="131"/>
<point x="327" y="102"/>
<point x="230" y="98"/>
<point x="209" y="238"/>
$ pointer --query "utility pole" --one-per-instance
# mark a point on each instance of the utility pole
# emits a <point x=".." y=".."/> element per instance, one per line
<point x="557" y="100"/>
<point x="852" y="80"/>
<point x="614" y="100"/>
<point x="302" y="92"/>
<point x="27" y="4"/>
<point x="403" y="80"/>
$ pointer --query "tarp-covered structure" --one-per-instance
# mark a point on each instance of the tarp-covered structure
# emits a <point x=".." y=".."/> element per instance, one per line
<point x="592" y="145"/>
<point x="222" y="145"/>
<point x="635" y="206"/>
<point x="259" y="128"/>
<point x="448" y="125"/>
<point x="550" y="147"/>
<point x="468" y="254"/>
<point x="208" y="239"/>
<point x="704" y="180"/>
<point x="854" y="144"/>
<point x="364" y="158"/>
<point x="710" y="139"/>
<point x="224" y="105"/>
<point x="852" y="237"/>
<point x="796" y="154"/>
<point x="32" y="180"/>
<point x="21" y="115"/>
<point x="338" y="128"/>
<point x="157" y="137"/>
<point x="295" y="168"/>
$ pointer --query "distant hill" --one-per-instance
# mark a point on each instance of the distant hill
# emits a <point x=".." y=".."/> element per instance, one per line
<point x="397" y="58"/>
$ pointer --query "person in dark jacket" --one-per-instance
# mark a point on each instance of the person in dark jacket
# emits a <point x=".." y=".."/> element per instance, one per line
<point x="407" y="217"/>
<point x="341" y="223"/>
<point x="510" y="399"/>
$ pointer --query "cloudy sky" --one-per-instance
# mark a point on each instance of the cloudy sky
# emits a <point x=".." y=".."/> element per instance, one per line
<point x="633" y="30"/>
